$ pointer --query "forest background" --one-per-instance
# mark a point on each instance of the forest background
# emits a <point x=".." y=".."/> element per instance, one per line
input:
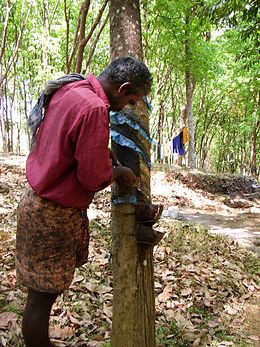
<point x="203" y="54"/>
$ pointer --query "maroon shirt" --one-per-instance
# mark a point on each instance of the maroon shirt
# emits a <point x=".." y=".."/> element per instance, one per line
<point x="70" y="161"/>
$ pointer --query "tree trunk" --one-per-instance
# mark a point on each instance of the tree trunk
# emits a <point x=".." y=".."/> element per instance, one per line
<point x="83" y="40"/>
<point x="125" y="28"/>
<point x="253" y="160"/>
<point x="133" y="301"/>
<point x="189" y="94"/>
<point x="80" y="38"/>
<point x="190" y="86"/>
<point x="183" y="117"/>
<point x="253" y="157"/>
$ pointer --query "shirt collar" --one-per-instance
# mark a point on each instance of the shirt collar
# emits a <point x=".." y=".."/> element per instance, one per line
<point x="93" y="81"/>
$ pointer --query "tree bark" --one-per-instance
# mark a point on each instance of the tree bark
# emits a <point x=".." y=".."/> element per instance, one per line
<point x="67" y="20"/>
<point x="133" y="298"/>
<point x="253" y="159"/>
<point x="81" y="39"/>
<point x="133" y="301"/>
<point x="190" y="86"/>
<point x="125" y="29"/>
<point x="189" y="94"/>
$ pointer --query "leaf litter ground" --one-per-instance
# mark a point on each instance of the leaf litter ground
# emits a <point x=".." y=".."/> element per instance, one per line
<point x="207" y="286"/>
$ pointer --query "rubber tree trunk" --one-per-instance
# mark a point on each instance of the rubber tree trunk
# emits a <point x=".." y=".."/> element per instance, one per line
<point x="255" y="131"/>
<point x="133" y="301"/>
<point x="189" y="86"/>
<point x="189" y="96"/>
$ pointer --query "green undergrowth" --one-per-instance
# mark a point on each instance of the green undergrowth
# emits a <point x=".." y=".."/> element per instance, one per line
<point x="172" y="336"/>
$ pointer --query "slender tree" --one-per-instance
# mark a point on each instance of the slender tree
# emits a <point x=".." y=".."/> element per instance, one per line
<point x="133" y="301"/>
<point x="81" y="36"/>
<point x="15" y="18"/>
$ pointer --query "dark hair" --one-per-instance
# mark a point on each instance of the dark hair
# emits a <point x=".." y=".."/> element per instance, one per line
<point x="129" y="69"/>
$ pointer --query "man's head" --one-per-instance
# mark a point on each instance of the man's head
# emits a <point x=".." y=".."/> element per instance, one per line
<point x="125" y="81"/>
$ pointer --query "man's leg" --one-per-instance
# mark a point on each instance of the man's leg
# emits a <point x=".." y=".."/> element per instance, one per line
<point x="36" y="317"/>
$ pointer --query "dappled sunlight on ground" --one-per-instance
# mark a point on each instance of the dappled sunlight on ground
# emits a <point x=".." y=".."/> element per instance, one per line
<point x="205" y="284"/>
<point x="197" y="206"/>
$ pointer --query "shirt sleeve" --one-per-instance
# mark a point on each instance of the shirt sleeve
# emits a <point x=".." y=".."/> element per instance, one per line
<point x="94" y="166"/>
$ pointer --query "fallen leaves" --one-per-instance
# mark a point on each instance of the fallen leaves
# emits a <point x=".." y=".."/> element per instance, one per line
<point x="8" y="319"/>
<point x="61" y="333"/>
<point x="202" y="283"/>
<point x="96" y="288"/>
<point x="186" y="292"/>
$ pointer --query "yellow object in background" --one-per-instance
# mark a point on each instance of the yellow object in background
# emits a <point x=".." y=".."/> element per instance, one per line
<point x="185" y="135"/>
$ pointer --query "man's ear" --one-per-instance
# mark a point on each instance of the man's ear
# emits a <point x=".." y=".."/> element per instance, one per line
<point x="123" y="89"/>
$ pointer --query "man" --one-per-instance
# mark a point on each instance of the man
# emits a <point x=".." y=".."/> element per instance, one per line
<point x="69" y="162"/>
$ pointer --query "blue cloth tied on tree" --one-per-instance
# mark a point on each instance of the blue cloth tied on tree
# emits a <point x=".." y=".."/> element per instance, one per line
<point x="125" y="200"/>
<point x="119" y="119"/>
<point x="124" y="141"/>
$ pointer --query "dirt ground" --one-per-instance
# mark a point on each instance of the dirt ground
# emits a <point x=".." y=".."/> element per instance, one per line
<point x="225" y="204"/>
<point x="232" y="210"/>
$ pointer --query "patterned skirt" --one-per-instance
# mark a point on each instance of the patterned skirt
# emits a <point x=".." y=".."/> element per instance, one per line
<point x="51" y="241"/>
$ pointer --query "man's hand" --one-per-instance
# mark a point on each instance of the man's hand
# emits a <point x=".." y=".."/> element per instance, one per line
<point x="122" y="174"/>
<point x="125" y="176"/>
